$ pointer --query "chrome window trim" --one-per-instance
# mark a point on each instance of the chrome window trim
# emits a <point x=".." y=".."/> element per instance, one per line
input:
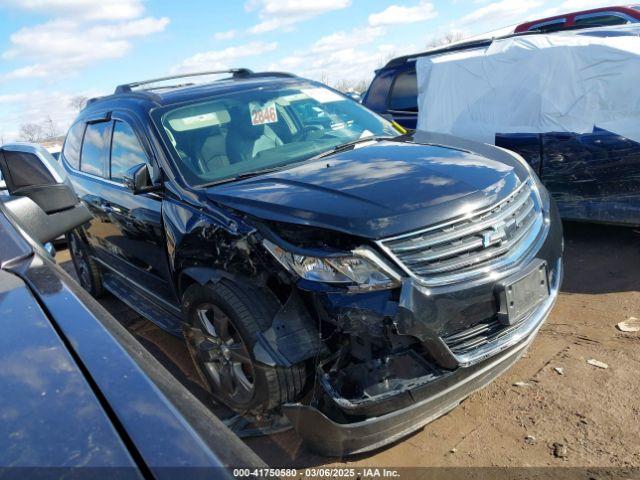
<point x="94" y="177"/>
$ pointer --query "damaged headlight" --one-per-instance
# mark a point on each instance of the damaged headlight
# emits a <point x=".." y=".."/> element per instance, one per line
<point x="361" y="270"/>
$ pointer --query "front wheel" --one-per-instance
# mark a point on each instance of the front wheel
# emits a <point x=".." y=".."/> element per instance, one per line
<point x="87" y="269"/>
<point x="222" y="324"/>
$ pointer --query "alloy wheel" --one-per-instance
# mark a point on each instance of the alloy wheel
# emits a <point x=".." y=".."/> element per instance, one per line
<point x="80" y="262"/>
<point x="222" y="355"/>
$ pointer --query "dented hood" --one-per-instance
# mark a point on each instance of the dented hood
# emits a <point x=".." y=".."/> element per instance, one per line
<point x="375" y="190"/>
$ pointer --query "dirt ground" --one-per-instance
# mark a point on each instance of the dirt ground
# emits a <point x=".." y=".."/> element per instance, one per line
<point x="533" y="415"/>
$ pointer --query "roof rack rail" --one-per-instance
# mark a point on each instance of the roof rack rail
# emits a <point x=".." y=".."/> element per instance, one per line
<point x="462" y="45"/>
<point x="236" y="73"/>
<point x="274" y="74"/>
<point x="435" y="51"/>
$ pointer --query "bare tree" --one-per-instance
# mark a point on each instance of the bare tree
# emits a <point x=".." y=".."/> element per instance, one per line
<point x="346" y="86"/>
<point x="31" y="132"/>
<point x="50" y="128"/>
<point x="324" y="78"/>
<point x="78" y="102"/>
<point x="446" y="39"/>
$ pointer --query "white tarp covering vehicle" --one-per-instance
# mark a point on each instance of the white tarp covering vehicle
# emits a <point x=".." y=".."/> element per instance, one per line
<point x="561" y="82"/>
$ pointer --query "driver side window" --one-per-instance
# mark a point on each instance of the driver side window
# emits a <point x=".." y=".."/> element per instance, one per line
<point x="126" y="151"/>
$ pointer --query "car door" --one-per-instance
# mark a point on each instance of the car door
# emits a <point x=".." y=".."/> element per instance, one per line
<point x="3" y="185"/>
<point x="136" y="236"/>
<point x="403" y="98"/>
<point x="85" y="155"/>
<point x="594" y="176"/>
<point x="126" y="230"/>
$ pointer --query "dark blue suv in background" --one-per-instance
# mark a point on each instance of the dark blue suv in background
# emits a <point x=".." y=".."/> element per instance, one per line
<point x="592" y="176"/>
<point x="317" y="260"/>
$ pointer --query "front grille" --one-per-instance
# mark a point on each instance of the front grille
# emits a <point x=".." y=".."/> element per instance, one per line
<point x="459" y="249"/>
<point x="468" y="340"/>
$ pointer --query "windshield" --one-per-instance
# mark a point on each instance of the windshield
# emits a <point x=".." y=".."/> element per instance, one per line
<point x="270" y="127"/>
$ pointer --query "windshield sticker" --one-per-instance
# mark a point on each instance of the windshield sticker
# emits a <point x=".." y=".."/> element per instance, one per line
<point x="323" y="95"/>
<point x="208" y="119"/>
<point x="289" y="99"/>
<point x="205" y="118"/>
<point x="265" y="114"/>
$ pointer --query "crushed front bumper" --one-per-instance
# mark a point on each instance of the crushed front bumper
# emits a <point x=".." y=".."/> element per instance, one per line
<point x="424" y="403"/>
<point x="329" y="438"/>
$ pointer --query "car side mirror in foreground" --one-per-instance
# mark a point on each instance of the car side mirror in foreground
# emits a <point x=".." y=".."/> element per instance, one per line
<point x="40" y="198"/>
<point x="138" y="179"/>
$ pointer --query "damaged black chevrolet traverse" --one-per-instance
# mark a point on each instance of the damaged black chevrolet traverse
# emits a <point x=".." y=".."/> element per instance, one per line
<point x="317" y="260"/>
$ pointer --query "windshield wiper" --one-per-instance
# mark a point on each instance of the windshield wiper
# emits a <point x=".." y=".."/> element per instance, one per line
<point x="350" y="145"/>
<point x="241" y="176"/>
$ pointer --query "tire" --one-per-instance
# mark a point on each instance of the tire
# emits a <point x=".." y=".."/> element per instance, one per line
<point x="221" y="328"/>
<point x="86" y="268"/>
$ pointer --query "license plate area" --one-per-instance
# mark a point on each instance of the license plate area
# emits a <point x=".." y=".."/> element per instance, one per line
<point x="521" y="293"/>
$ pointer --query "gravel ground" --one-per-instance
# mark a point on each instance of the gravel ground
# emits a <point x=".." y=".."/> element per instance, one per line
<point x="552" y="408"/>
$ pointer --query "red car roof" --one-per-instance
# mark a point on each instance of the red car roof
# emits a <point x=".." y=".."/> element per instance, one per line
<point x="627" y="10"/>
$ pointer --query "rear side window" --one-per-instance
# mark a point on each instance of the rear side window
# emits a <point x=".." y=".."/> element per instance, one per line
<point x="404" y="92"/>
<point x="550" y="26"/>
<point x="95" y="148"/>
<point x="126" y="151"/>
<point x="600" y="20"/>
<point x="72" y="145"/>
<point x="26" y="169"/>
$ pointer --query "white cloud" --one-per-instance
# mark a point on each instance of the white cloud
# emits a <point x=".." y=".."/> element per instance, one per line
<point x="36" y="106"/>
<point x="345" y="55"/>
<point x="283" y="14"/>
<point x="62" y="41"/>
<point x="338" y="40"/>
<point x="135" y="28"/>
<point x="62" y="46"/>
<point x="501" y="12"/>
<point x="12" y="97"/>
<point x="81" y="9"/>
<point x="222" y="59"/>
<point x="575" y="6"/>
<point x="397" y="14"/>
<point x="37" y="70"/>
<point x="228" y="35"/>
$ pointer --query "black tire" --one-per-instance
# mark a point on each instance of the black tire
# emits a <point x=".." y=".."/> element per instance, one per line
<point x="87" y="269"/>
<point x="208" y="335"/>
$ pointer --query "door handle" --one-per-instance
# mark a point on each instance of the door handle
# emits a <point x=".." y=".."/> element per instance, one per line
<point x="111" y="209"/>
<point x="564" y="136"/>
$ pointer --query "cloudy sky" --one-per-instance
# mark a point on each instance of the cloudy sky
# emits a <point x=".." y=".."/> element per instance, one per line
<point x="53" y="50"/>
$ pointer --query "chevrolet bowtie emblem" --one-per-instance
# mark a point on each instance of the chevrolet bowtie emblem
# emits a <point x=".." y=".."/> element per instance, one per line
<point x="495" y="235"/>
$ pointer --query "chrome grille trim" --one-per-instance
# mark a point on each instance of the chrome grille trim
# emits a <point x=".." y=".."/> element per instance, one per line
<point x="465" y="247"/>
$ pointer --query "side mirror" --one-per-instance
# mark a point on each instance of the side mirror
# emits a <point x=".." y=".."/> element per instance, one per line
<point x="40" y="198"/>
<point x="138" y="179"/>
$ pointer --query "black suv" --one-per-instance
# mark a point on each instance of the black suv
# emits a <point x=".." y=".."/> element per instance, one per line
<point x="316" y="260"/>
